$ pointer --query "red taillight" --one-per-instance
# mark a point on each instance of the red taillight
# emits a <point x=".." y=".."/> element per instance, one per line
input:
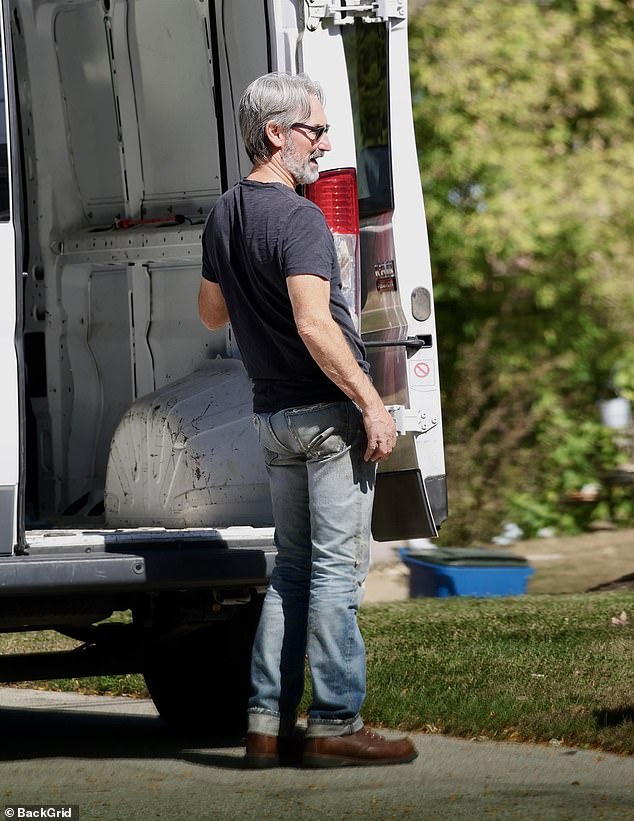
<point x="335" y="192"/>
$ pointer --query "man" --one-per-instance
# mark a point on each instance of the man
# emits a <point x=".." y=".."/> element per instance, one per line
<point x="270" y="266"/>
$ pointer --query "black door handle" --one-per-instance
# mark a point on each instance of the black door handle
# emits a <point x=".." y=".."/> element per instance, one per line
<point x="415" y="342"/>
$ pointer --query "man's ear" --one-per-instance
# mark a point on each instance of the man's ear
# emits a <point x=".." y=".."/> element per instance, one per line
<point x="275" y="134"/>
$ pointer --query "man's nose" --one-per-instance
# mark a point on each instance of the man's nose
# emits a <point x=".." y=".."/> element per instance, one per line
<point x="324" y="143"/>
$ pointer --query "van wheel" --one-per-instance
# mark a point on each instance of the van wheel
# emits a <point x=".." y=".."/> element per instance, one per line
<point x="200" y="682"/>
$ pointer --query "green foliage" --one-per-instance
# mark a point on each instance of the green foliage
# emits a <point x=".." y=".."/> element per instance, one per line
<point x="622" y="376"/>
<point x="524" y="118"/>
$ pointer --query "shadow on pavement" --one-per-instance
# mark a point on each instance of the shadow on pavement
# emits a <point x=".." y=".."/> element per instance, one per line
<point x="43" y="733"/>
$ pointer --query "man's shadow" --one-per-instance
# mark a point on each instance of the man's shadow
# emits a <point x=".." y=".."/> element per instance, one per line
<point x="50" y="732"/>
<point x="614" y="717"/>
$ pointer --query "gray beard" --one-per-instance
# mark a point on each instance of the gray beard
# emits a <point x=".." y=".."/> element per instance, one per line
<point x="301" y="170"/>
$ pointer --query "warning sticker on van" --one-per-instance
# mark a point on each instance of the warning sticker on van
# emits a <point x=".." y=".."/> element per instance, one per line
<point x="421" y="374"/>
<point x="385" y="276"/>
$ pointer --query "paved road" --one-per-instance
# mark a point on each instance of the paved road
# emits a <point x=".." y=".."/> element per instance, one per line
<point x="113" y="758"/>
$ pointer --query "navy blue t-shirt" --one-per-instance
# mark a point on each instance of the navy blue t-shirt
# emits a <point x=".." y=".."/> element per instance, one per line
<point x="256" y="235"/>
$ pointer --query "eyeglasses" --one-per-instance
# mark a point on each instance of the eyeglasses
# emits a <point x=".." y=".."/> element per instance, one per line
<point x="317" y="130"/>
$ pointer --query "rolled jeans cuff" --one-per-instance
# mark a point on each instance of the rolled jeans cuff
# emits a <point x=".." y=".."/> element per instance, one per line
<point x="322" y="728"/>
<point x="266" y="722"/>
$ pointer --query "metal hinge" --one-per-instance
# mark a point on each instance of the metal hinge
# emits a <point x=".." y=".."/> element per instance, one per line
<point x="345" y="12"/>
<point x="410" y="419"/>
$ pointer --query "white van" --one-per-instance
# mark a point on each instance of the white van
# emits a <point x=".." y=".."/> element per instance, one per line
<point x="130" y="476"/>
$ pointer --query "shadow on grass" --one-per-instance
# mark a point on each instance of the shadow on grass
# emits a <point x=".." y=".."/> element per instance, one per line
<point x="622" y="582"/>
<point x="614" y="718"/>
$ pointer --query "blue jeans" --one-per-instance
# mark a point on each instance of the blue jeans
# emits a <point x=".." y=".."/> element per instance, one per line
<point x="322" y="493"/>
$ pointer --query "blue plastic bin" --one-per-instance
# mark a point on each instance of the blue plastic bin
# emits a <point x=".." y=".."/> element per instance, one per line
<point x="443" y="572"/>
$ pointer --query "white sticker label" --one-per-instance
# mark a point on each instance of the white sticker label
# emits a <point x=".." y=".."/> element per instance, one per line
<point x="422" y="373"/>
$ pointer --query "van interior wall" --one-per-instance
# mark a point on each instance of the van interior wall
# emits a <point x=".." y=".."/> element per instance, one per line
<point x="122" y="164"/>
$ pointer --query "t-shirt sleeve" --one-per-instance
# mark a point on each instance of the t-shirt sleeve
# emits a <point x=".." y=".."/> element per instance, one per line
<point x="208" y="271"/>
<point x="307" y="245"/>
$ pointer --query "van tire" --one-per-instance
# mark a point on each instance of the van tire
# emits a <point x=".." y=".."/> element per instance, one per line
<point x="200" y="683"/>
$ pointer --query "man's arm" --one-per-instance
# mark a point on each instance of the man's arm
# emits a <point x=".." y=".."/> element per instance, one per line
<point x="310" y="298"/>
<point x="211" y="305"/>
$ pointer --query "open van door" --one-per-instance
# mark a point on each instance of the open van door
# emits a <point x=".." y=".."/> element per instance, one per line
<point x="373" y="135"/>
<point x="10" y="428"/>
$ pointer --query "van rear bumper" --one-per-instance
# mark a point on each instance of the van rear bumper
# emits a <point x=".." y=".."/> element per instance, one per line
<point x="73" y="562"/>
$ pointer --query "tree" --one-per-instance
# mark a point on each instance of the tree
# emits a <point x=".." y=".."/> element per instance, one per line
<point x="524" y="114"/>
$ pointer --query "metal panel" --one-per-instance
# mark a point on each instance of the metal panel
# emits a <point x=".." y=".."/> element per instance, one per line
<point x="10" y="429"/>
<point x="7" y="518"/>
<point x="173" y="85"/>
<point x="177" y="339"/>
<point x="98" y="372"/>
<point x="246" y="53"/>
<point x="86" y="80"/>
<point x="169" y="567"/>
<point x="382" y="317"/>
<point x="128" y="540"/>
<point x="129" y="329"/>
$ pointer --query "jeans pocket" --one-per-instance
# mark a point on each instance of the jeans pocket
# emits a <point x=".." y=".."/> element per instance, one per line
<point x="320" y="430"/>
<point x="274" y="434"/>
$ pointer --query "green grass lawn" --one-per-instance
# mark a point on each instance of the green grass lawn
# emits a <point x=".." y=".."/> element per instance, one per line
<point x="533" y="668"/>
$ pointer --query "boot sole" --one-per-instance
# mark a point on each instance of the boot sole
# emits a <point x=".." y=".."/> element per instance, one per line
<point x="324" y="761"/>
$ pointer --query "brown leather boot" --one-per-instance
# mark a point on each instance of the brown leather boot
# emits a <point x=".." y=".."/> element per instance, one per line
<point x="362" y="748"/>
<point x="265" y="751"/>
<point x="262" y="751"/>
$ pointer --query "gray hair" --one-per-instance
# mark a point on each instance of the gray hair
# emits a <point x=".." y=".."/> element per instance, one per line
<point x="282" y="99"/>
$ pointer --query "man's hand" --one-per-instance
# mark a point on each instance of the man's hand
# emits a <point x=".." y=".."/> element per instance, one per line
<point x="381" y="432"/>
